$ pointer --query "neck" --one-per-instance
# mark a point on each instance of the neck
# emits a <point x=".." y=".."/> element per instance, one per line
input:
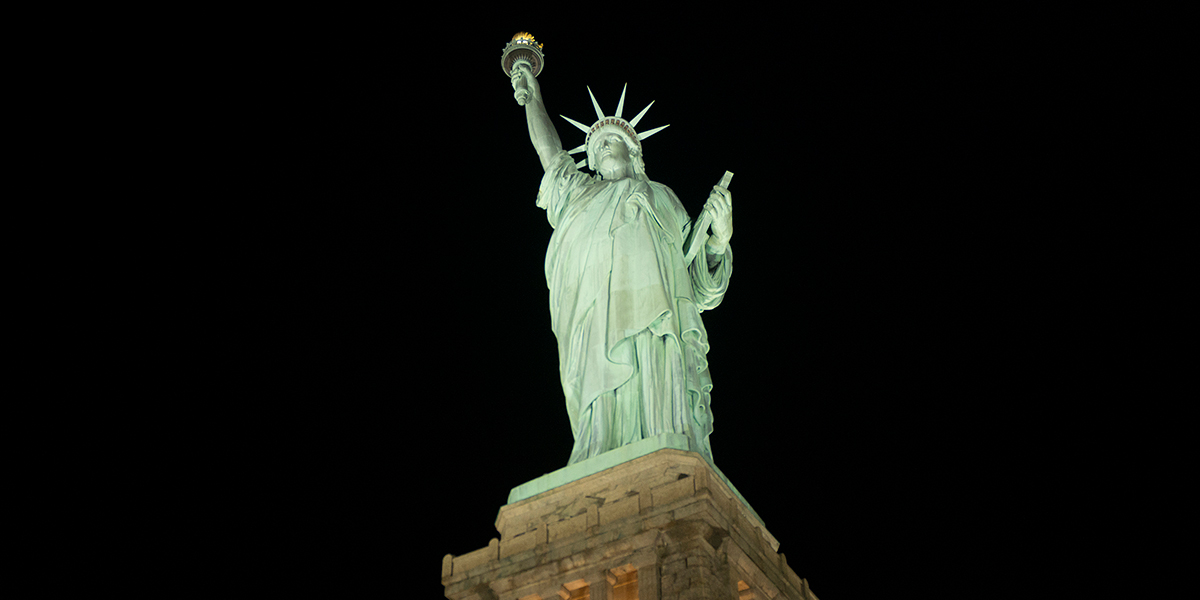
<point x="614" y="174"/>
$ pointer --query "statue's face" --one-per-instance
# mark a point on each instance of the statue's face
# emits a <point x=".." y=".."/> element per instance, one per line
<point x="612" y="155"/>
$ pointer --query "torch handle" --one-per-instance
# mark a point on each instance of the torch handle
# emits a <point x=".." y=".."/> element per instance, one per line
<point x="520" y="88"/>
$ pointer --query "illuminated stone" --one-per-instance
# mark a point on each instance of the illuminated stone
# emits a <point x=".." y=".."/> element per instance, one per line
<point x="664" y="525"/>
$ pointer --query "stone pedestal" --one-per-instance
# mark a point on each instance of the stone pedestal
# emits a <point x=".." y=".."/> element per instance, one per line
<point x="663" y="526"/>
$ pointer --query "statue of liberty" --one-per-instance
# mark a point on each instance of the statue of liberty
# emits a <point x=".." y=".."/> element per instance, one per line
<point x="625" y="296"/>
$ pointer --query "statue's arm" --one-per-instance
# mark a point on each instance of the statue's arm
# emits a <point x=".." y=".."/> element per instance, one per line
<point x="541" y="129"/>
<point x="710" y="277"/>
<point x="711" y="268"/>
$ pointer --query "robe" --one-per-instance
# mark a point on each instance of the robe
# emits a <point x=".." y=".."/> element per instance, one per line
<point x="626" y="310"/>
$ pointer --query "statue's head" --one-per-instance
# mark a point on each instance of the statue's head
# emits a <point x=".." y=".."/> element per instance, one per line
<point x="605" y="131"/>
<point x="612" y="151"/>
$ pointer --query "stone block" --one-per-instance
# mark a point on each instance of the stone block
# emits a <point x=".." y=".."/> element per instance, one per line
<point x="567" y="528"/>
<point x="645" y="500"/>
<point x="602" y="538"/>
<point x="656" y="521"/>
<point x="691" y="510"/>
<point x="615" y="511"/>
<point x="477" y="558"/>
<point x="559" y="551"/>
<point x="523" y="542"/>
<point x="675" y="490"/>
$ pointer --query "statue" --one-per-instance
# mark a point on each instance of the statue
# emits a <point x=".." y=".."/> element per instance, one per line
<point x="624" y="303"/>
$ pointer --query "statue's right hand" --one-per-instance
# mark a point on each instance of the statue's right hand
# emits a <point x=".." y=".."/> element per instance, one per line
<point x="524" y="84"/>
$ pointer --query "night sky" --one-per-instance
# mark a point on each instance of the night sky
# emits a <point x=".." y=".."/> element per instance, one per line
<point x="390" y="373"/>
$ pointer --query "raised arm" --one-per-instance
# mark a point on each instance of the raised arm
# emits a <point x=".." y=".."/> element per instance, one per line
<point x="541" y="130"/>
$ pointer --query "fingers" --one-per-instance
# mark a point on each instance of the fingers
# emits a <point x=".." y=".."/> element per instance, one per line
<point x="722" y="194"/>
<point x="524" y="85"/>
<point x="520" y="85"/>
<point x="721" y="201"/>
<point x="520" y="78"/>
<point x="720" y="207"/>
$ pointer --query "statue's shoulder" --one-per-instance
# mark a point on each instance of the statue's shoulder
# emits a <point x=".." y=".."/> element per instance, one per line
<point x="662" y="189"/>
<point x="565" y="174"/>
<point x="562" y="165"/>
<point x="666" y="193"/>
<point x="666" y="200"/>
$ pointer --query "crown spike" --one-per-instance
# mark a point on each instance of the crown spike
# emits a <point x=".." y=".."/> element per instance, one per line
<point x="581" y="164"/>
<point x="577" y="124"/>
<point x="578" y="149"/>
<point x="621" y="104"/>
<point x="599" y="113"/>
<point x="646" y="134"/>
<point x="639" y="116"/>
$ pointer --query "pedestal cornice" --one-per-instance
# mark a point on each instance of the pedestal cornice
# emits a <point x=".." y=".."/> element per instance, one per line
<point x="644" y="514"/>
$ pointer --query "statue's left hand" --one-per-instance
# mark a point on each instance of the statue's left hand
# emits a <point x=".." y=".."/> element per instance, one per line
<point x="720" y="205"/>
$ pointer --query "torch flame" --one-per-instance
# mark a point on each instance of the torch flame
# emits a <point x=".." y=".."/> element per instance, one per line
<point x="521" y="36"/>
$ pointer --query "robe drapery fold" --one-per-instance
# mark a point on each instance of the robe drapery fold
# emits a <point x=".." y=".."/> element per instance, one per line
<point x="626" y="311"/>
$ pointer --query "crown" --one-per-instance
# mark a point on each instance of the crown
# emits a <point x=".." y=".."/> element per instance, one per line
<point x="612" y="123"/>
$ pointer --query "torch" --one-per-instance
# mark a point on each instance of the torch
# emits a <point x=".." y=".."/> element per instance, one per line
<point x="522" y="52"/>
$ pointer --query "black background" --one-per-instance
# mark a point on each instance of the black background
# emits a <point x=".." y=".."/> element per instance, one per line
<point x="385" y="372"/>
